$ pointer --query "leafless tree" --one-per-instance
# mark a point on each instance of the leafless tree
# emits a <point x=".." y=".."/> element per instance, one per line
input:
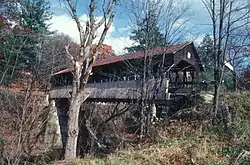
<point x="22" y="123"/>
<point x="24" y="115"/>
<point x="171" y="17"/>
<point x="102" y="127"/>
<point x="226" y="16"/>
<point x="83" y="62"/>
<point x="53" y="56"/>
<point x="239" y="52"/>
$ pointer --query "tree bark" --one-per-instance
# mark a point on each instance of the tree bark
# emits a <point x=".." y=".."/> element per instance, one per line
<point x="73" y="128"/>
<point x="83" y="63"/>
<point x="216" y="100"/>
<point x="235" y="81"/>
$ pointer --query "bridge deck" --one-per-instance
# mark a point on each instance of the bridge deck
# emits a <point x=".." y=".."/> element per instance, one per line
<point x="124" y="90"/>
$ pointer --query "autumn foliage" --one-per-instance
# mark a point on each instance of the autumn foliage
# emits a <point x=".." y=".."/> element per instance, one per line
<point x="104" y="52"/>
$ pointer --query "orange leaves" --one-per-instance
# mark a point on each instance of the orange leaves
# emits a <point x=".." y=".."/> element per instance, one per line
<point x="104" y="51"/>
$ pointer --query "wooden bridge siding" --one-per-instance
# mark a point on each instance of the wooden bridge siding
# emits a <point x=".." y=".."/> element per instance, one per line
<point x="182" y="55"/>
<point x="113" y="90"/>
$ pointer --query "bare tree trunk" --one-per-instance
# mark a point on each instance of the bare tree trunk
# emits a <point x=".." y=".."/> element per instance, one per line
<point x="83" y="64"/>
<point x="221" y="16"/>
<point x="73" y="121"/>
<point x="143" y="96"/>
<point x="73" y="129"/>
<point x="216" y="99"/>
<point x="235" y="83"/>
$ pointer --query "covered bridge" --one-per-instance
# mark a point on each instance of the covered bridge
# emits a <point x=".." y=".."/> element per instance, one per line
<point x="118" y="78"/>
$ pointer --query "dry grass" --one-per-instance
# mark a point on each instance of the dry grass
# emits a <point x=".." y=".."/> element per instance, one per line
<point x="193" y="142"/>
<point x="178" y="144"/>
<point x="151" y="155"/>
<point x="183" y="149"/>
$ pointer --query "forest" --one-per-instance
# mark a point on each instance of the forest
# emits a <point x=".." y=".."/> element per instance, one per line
<point x="192" y="81"/>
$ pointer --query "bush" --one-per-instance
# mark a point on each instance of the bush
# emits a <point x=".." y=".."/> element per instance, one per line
<point x="21" y="126"/>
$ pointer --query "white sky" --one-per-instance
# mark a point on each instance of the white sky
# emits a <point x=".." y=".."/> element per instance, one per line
<point x="65" y="24"/>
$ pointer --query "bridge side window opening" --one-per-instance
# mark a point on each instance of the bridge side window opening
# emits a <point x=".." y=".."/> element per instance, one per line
<point x="62" y="80"/>
<point x="189" y="55"/>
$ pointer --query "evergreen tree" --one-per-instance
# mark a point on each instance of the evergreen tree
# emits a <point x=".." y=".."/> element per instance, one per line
<point x="22" y="44"/>
<point x="205" y="50"/>
<point x="34" y="16"/>
<point x="147" y="35"/>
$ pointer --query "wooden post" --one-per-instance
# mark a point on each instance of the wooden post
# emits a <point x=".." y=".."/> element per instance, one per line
<point x="192" y="76"/>
<point x="177" y="78"/>
<point x="153" y="113"/>
<point x="167" y="89"/>
<point x="184" y="80"/>
<point x="167" y="94"/>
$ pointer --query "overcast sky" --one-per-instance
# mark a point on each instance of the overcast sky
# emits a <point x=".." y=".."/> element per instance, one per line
<point x="118" y="35"/>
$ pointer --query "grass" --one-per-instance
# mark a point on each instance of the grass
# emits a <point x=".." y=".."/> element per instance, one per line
<point x="184" y="143"/>
<point x="185" y="148"/>
<point x="149" y="155"/>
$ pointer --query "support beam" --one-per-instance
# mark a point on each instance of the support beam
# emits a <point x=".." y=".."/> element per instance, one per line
<point x="53" y="138"/>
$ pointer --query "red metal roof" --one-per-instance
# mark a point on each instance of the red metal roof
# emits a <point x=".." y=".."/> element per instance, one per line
<point x="172" y="49"/>
<point x="155" y="51"/>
